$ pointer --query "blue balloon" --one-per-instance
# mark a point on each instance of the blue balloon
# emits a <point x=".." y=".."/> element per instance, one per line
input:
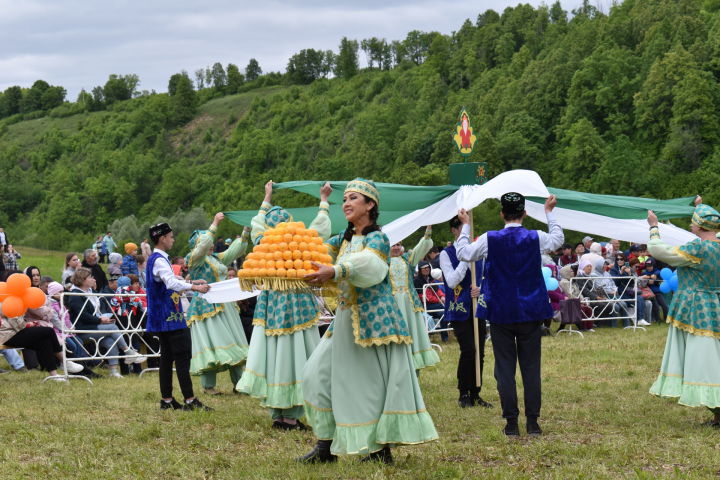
<point x="547" y="273"/>
<point x="673" y="283"/>
<point x="551" y="284"/>
<point x="666" y="273"/>
<point x="665" y="287"/>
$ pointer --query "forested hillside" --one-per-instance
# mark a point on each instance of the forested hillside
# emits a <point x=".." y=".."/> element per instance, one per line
<point x="624" y="102"/>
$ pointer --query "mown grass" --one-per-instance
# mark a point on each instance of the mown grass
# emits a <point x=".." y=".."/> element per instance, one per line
<point x="50" y="263"/>
<point x="598" y="418"/>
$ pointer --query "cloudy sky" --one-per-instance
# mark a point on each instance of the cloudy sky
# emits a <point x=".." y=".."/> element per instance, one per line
<point x="78" y="43"/>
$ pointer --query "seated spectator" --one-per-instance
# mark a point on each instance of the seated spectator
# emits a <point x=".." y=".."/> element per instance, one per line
<point x="433" y="257"/>
<point x="652" y="275"/>
<point x="434" y="298"/>
<point x="13" y="358"/>
<point x="130" y="310"/>
<point x="73" y="346"/>
<point x="11" y="257"/>
<point x="90" y="261"/>
<point x="72" y="261"/>
<point x="592" y="289"/>
<point x="568" y="257"/>
<point x="129" y="263"/>
<point x="85" y="311"/>
<point x="137" y="288"/>
<point x="34" y="274"/>
<point x="231" y="273"/>
<point x="142" y="264"/>
<point x="16" y="332"/>
<point x="115" y="265"/>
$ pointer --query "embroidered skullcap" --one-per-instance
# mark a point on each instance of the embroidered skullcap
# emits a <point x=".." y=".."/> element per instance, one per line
<point x="365" y="187"/>
<point x="706" y="217"/>
<point x="512" y="202"/>
<point x="195" y="235"/>
<point x="158" y="230"/>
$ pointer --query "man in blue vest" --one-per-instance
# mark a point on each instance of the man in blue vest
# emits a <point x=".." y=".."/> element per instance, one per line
<point x="165" y="317"/>
<point x="459" y="312"/>
<point x="517" y="300"/>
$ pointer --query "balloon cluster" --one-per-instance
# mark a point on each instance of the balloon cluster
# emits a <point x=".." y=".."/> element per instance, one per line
<point x="16" y="295"/>
<point x="670" y="283"/>
<point x="551" y="282"/>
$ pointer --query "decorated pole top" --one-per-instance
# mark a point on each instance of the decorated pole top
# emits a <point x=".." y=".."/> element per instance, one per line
<point x="466" y="173"/>
<point x="464" y="137"/>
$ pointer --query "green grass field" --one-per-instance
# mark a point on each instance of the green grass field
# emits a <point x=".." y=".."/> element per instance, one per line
<point x="598" y="418"/>
<point x="49" y="262"/>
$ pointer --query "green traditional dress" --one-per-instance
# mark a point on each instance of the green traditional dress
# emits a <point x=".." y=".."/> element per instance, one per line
<point x="360" y="387"/>
<point x="690" y="369"/>
<point x="285" y="332"/>
<point x="218" y="338"/>
<point x="401" y="278"/>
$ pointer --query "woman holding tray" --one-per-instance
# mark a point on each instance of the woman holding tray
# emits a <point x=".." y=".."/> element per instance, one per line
<point x="285" y="329"/>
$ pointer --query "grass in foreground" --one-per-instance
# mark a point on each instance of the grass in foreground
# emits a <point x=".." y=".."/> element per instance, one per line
<point x="598" y="418"/>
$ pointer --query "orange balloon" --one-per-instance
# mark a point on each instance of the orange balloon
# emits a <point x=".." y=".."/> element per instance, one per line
<point x="13" y="306"/>
<point x="3" y="291"/>
<point x="17" y="283"/>
<point x="34" y="298"/>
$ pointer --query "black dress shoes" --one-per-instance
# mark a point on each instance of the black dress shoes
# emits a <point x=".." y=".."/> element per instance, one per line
<point x="511" y="429"/>
<point x="171" y="405"/>
<point x="533" y="429"/>
<point x="319" y="454"/>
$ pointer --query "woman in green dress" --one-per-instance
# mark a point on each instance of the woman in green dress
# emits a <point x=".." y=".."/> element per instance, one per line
<point x="218" y="339"/>
<point x="402" y="265"/>
<point x="285" y="330"/>
<point x="690" y="369"/>
<point x="361" y="392"/>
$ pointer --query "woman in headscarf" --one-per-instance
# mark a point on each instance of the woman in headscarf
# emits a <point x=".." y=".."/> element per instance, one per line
<point x="402" y="265"/>
<point x="361" y="392"/>
<point x="218" y="339"/>
<point x="285" y="329"/>
<point x="689" y="369"/>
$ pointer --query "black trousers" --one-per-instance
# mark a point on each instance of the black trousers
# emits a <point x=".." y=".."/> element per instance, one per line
<point x="175" y="346"/>
<point x="513" y="343"/>
<point x="40" y="339"/>
<point x="466" y="364"/>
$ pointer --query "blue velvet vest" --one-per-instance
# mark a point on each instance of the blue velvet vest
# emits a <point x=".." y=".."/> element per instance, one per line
<point x="458" y="303"/>
<point x="164" y="310"/>
<point x="514" y="287"/>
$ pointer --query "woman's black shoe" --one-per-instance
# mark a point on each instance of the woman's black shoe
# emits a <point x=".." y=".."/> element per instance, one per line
<point x="466" y="401"/>
<point x="298" y="425"/>
<point x="512" y="429"/>
<point x="384" y="456"/>
<point x="533" y="428"/>
<point x="319" y="454"/>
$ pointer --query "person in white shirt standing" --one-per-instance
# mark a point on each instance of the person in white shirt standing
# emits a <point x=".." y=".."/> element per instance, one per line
<point x="517" y="300"/>
<point x="166" y="318"/>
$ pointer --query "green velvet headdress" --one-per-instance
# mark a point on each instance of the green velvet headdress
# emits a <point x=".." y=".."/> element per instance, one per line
<point x="365" y="187"/>
<point x="706" y="217"/>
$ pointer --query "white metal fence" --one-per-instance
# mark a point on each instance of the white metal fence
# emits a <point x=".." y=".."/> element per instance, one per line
<point x="128" y="327"/>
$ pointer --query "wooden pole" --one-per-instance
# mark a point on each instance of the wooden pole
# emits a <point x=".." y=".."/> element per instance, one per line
<point x="476" y="331"/>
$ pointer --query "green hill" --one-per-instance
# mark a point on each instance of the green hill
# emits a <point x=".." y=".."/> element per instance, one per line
<point x="623" y="103"/>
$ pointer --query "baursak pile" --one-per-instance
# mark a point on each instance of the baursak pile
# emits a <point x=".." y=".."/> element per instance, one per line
<point x="283" y="257"/>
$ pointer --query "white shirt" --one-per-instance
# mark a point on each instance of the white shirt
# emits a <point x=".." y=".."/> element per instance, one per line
<point x="3" y="240"/>
<point x="478" y="249"/>
<point x="453" y="276"/>
<point x="162" y="271"/>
